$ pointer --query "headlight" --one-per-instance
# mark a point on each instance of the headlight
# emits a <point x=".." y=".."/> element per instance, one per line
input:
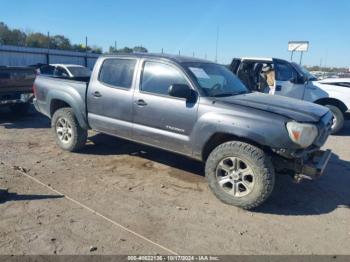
<point x="302" y="134"/>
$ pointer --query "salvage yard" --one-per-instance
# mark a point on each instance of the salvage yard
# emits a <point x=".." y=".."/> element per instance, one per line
<point x="118" y="197"/>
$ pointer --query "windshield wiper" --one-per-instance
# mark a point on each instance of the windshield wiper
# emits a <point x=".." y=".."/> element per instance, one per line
<point x="230" y="94"/>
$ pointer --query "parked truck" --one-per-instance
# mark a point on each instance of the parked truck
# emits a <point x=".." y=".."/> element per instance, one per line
<point x="194" y="108"/>
<point x="293" y="80"/>
<point x="16" y="84"/>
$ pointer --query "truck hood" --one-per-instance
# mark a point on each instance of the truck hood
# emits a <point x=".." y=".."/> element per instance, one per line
<point x="295" y="109"/>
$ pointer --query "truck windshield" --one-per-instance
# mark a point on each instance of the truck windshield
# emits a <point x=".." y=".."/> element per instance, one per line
<point x="78" y="71"/>
<point x="215" y="80"/>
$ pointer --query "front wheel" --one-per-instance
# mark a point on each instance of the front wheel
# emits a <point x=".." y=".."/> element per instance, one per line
<point x="338" y="120"/>
<point x="240" y="174"/>
<point x="68" y="133"/>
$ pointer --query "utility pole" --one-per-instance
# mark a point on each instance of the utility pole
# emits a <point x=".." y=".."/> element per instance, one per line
<point x="48" y="48"/>
<point x="86" y="51"/>
<point x="217" y="43"/>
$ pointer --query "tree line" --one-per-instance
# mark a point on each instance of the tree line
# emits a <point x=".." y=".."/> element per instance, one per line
<point x="328" y="69"/>
<point x="17" y="37"/>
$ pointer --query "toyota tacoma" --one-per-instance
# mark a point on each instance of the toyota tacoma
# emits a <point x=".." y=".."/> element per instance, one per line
<point x="194" y="108"/>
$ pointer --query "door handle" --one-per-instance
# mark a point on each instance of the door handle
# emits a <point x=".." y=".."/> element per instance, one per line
<point x="278" y="88"/>
<point x="141" y="102"/>
<point x="96" y="94"/>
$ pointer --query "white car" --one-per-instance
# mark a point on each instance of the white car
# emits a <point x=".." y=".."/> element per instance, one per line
<point x="292" y="80"/>
<point x="65" y="70"/>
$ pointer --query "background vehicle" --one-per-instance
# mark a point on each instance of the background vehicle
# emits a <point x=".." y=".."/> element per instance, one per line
<point x="344" y="82"/>
<point x="294" y="81"/>
<point x="16" y="84"/>
<point x="195" y="108"/>
<point x="63" y="70"/>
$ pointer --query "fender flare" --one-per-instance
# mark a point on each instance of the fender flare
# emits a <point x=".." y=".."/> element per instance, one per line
<point x="73" y="102"/>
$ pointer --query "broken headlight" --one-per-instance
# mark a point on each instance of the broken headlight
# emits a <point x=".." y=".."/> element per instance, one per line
<point x="302" y="134"/>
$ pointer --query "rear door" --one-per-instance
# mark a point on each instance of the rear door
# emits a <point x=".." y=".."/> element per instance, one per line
<point x="286" y="80"/>
<point x="109" y="97"/>
<point x="235" y="65"/>
<point x="159" y="119"/>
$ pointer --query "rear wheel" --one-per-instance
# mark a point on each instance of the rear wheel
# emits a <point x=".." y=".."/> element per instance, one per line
<point x="240" y="174"/>
<point x="20" y="109"/>
<point x="68" y="133"/>
<point x="338" y="121"/>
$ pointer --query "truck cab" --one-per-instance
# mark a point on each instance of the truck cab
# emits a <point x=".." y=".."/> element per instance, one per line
<point x="292" y="80"/>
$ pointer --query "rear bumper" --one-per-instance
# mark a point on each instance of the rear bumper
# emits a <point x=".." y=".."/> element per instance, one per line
<point x="16" y="99"/>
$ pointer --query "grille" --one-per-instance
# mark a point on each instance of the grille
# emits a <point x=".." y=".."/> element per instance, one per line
<point x="325" y="128"/>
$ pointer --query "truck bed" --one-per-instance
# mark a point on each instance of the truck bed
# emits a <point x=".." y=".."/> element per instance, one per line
<point x="50" y="90"/>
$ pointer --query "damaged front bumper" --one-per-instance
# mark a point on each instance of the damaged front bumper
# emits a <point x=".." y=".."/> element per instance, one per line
<point x="316" y="163"/>
<point x="311" y="166"/>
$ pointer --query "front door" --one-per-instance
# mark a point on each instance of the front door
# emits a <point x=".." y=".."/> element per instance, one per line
<point x="160" y="119"/>
<point x="287" y="81"/>
<point x="109" y="97"/>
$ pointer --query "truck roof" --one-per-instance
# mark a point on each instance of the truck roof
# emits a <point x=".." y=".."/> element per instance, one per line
<point x="65" y="65"/>
<point x="174" y="58"/>
<point x="258" y="58"/>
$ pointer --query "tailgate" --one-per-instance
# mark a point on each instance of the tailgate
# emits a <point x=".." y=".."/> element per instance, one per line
<point x="16" y="80"/>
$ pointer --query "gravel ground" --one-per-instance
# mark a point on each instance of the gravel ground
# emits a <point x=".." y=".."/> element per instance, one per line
<point x="117" y="197"/>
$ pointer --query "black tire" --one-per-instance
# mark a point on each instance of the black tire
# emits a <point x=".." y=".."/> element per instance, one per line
<point x="78" y="135"/>
<point x="20" y="109"/>
<point x="338" y="118"/>
<point x="258" y="161"/>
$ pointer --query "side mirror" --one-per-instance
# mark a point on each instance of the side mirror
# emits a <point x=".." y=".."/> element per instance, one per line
<point x="180" y="90"/>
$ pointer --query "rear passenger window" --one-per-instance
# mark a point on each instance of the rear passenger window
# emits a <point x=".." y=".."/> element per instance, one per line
<point x="158" y="77"/>
<point x="47" y="70"/>
<point x="117" y="72"/>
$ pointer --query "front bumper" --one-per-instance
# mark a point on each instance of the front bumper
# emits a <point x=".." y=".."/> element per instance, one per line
<point x="316" y="163"/>
<point x="311" y="165"/>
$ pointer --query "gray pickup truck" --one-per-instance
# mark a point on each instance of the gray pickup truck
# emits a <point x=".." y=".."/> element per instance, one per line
<point x="195" y="108"/>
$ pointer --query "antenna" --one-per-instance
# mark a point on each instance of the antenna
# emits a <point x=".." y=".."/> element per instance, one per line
<point x="217" y="43"/>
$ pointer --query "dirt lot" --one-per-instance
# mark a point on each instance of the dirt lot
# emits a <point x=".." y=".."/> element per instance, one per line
<point x="124" y="198"/>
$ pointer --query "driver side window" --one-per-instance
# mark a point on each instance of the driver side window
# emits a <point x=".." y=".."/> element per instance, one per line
<point x="158" y="77"/>
<point x="284" y="72"/>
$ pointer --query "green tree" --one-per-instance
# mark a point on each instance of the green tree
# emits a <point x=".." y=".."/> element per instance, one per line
<point x="125" y="50"/>
<point x="140" y="49"/>
<point x="11" y="37"/>
<point x="112" y="50"/>
<point x="37" y="40"/>
<point x="60" y="42"/>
